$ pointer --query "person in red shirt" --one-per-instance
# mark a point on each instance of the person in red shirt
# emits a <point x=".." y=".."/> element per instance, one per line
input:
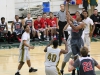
<point x="44" y="21"/>
<point x="52" y="25"/>
<point x="76" y="14"/>
<point x="38" y="26"/>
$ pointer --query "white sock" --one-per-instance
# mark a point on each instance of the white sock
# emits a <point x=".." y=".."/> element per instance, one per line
<point x="39" y="37"/>
<point x="30" y="67"/>
<point x="54" y="36"/>
<point x="18" y="70"/>
<point x="44" y="36"/>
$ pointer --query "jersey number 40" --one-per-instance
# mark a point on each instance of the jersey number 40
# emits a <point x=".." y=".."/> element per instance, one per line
<point x="52" y="57"/>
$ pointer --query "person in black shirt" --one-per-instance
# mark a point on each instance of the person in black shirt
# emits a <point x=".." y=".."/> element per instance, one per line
<point x="85" y="64"/>
<point x="96" y="19"/>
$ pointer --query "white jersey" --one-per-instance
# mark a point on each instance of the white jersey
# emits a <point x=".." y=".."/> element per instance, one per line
<point x="88" y="23"/>
<point x="25" y="36"/>
<point x="52" y="56"/>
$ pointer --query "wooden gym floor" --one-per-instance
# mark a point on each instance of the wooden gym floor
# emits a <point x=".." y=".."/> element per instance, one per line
<point x="9" y="60"/>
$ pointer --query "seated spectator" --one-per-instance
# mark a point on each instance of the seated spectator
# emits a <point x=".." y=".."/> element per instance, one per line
<point x="44" y="21"/>
<point x="96" y="19"/>
<point x="29" y="20"/>
<point x="52" y="25"/>
<point x="38" y="27"/>
<point x="17" y="25"/>
<point x="4" y="30"/>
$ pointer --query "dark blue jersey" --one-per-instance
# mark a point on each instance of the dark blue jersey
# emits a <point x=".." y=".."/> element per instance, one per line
<point x="3" y="26"/>
<point x="86" y="65"/>
<point x="76" y="33"/>
<point x="17" y="25"/>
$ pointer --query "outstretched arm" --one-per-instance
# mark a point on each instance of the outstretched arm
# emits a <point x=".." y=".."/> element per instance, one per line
<point x="68" y="13"/>
<point x="45" y="50"/>
<point x="66" y="48"/>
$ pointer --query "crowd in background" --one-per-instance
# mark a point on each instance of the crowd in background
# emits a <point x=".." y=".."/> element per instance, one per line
<point x="43" y="28"/>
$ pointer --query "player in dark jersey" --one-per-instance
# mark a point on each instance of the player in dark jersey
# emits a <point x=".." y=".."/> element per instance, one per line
<point x="76" y="33"/>
<point x="17" y="25"/>
<point x="85" y="64"/>
<point x="3" y="32"/>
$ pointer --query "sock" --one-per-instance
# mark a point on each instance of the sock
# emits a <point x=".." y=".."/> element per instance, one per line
<point x="39" y="37"/>
<point x="18" y="70"/>
<point x="30" y="67"/>
<point x="44" y="36"/>
<point x="51" y="37"/>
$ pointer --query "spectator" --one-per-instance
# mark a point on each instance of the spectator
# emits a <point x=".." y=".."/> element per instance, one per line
<point x="38" y="26"/>
<point x="3" y="32"/>
<point x="17" y="25"/>
<point x="96" y="19"/>
<point x="53" y="25"/>
<point x="44" y="21"/>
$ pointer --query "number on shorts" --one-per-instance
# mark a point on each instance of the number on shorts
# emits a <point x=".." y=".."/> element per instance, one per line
<point x="52" y="57"/>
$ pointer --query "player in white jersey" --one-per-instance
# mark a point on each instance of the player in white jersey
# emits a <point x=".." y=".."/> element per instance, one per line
<point x="24" y="50"/>
<point x="88" y="30"/>
<point x="52" y="57"/>
<point x="68" y="55"/>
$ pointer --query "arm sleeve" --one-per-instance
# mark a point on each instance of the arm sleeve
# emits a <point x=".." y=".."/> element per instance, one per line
<point x="95" y="62"/>
<point x="76" y="63"/>
<point x="24" y="37"/>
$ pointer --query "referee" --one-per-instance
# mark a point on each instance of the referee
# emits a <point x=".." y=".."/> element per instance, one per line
<point x="61" y="23"/>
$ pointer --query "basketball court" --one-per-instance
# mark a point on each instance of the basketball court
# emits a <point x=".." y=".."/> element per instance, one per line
<point x="9" y="60"/>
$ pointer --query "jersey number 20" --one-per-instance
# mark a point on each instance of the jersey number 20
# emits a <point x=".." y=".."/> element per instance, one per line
<point x="52" y="57"/>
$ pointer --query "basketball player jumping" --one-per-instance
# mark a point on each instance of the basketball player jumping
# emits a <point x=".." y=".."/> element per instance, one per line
<point x="76" y="32"/>
<point x="84" y="63"/>
<point x="24" y="50"/>
<point x="52" y="57"/>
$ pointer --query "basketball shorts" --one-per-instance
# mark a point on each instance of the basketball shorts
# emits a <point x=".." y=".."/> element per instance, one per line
<point x="24" y="55"/>
<point x="76" y="45"/>
<point x="18" y="32"/>
<point x="68" y="55"/>
<point x="52" y="70"/>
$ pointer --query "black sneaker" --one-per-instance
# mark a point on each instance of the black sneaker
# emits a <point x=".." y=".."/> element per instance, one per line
<point x="17" y="73"/>
<point x="88" y="55"/>
<point x="32" y="70"/>
<point x="59" y="44"/>
<point x="62" y="72"/>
